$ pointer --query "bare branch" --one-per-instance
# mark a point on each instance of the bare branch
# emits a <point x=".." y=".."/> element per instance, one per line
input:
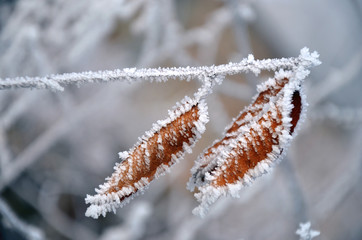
<point x="56" y="82"/>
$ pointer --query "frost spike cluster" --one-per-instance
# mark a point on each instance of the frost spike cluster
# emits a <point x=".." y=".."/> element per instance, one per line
<point x="156" y="151"/>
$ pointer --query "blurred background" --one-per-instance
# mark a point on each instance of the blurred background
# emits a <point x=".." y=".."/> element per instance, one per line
<point x="56" y="147"/>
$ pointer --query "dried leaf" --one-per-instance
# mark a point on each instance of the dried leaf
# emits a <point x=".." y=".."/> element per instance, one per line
<point x="253" y="142"/>
<point x="152" y="156"/>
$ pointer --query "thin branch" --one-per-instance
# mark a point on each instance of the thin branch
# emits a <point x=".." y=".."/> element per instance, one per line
<point x="57" y="81"/>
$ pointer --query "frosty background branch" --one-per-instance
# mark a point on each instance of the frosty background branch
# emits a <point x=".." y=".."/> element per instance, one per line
<point x="50" y="142"/>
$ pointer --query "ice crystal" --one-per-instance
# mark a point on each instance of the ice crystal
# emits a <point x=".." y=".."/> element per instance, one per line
<point x="305" y="232"/>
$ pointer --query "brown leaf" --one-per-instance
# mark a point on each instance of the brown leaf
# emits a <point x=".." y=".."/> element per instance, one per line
<point x="154" y="154"/>
<point x="254" y="141"/>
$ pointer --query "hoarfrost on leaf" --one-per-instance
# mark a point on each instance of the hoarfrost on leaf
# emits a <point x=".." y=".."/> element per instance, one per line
<point x="152" y="156"/>
<point x="254" y="141"/>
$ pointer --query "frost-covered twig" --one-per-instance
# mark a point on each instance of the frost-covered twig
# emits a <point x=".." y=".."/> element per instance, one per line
<point x="28" y="231"/>
<point x="56" y="82"/>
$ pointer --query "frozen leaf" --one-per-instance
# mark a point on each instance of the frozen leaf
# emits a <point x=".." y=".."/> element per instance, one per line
<point x="160" y="148"/>
<point x="254" y="141"/>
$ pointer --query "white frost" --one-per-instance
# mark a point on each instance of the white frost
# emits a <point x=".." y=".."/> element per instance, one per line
<point x="305" y="232"/>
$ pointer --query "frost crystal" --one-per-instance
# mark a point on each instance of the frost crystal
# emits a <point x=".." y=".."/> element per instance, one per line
<point x="305" y="232"/>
